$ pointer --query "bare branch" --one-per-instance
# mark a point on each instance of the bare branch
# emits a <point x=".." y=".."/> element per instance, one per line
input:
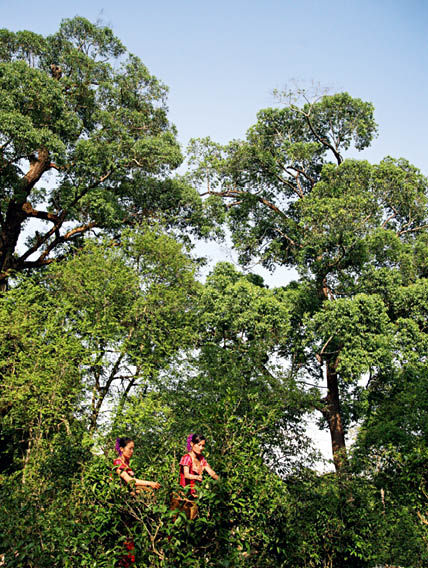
<point x="82" y="229"/>
<point x="44" y="238"/>
<point x="325" y="345"/>
<point x="384" y="224"/>
<point x="229" y="193"/>
<point x="289" y="239"/>
<point x="46" y="216"/>
<point x="323" y="141"/>
<point x="414" y="230"/>
<point x="304" y="174"/>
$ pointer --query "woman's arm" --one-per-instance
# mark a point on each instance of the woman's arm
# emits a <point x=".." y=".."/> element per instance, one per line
<point x="144" y="483"/>
<point x="138" y="482"/>
<point x="210" y="471"/>
<point x="188" y="475"/>
<point x="125" y="476"/>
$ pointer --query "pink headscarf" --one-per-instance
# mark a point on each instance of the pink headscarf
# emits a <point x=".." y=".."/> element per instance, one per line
<point x="189" y="439"/>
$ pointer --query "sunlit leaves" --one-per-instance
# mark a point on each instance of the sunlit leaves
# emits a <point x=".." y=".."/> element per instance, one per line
<point x="79" y="106"/>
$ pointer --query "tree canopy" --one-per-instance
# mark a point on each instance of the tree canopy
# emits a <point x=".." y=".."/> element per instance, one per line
<point x="85" y="143"/>
<point x="289" y="205"/>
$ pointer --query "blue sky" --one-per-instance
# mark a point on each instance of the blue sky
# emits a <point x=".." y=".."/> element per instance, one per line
<point x="222" y="59"/>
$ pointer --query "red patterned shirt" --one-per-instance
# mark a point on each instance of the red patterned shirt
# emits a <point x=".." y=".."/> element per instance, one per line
<point x="122" y="464"/>
<point x="186" y="460"/>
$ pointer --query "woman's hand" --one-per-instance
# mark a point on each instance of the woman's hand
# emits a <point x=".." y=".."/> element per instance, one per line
<point x="154" y="484"/>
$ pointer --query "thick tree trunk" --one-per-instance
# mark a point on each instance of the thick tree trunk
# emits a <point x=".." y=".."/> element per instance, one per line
<point x="332" y="415"/>
<point x="331" y="403"/>
<point x="17" y="213"/>
<point x="15" y="217"/>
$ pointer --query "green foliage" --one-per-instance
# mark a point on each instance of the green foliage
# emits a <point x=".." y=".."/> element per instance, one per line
<point x="40" y="372"/>
<point x="357" y="328"/>
<point x="120" y="339"/>
<point x="355" y="233"/>
<point x="248" y="518"/>
<point x="104" y="323"/>
<point x="83" y="116"/>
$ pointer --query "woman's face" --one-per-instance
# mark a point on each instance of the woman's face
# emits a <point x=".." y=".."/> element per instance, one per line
<point x="128" y="450"/>
<point x="199" y="447"/>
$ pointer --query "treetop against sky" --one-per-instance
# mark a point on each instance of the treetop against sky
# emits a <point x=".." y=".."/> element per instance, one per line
<point x="221" y="61"/>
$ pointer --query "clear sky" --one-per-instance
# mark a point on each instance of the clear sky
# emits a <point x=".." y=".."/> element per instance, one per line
<point x="222" y="59"/>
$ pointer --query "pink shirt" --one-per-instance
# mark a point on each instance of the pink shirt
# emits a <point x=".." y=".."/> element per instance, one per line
<point x="186" y="460"/>
<point x="122" y="464"/>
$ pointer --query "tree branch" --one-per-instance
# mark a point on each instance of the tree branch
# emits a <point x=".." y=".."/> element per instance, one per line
<point x="31" y="212"/>
<point x="414" y="230"/>
<point x="286" y="237"/>
<point x="323" y="141"/>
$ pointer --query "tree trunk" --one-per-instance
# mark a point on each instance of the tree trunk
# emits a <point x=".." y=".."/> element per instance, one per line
<point x="331" y="407"/>
<point x="16" y="215"/>
<point x="332" y="415"/>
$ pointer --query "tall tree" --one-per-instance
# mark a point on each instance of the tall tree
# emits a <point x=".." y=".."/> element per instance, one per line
<point x="289" y="205"/>
<point x="85" y="142"/>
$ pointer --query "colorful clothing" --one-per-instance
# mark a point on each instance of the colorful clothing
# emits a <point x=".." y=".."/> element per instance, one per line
<point x="122" y="464"/>
<point x="128" y="559"/>
<point x="186" y="460"/>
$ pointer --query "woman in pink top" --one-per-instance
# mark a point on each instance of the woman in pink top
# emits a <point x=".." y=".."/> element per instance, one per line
<point x="193" y="464"/>
<point x="125" y="449"/>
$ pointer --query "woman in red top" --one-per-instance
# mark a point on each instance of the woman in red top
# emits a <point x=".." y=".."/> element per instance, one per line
<point x="125" y="449"/>
<point x="193" y="464"/>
